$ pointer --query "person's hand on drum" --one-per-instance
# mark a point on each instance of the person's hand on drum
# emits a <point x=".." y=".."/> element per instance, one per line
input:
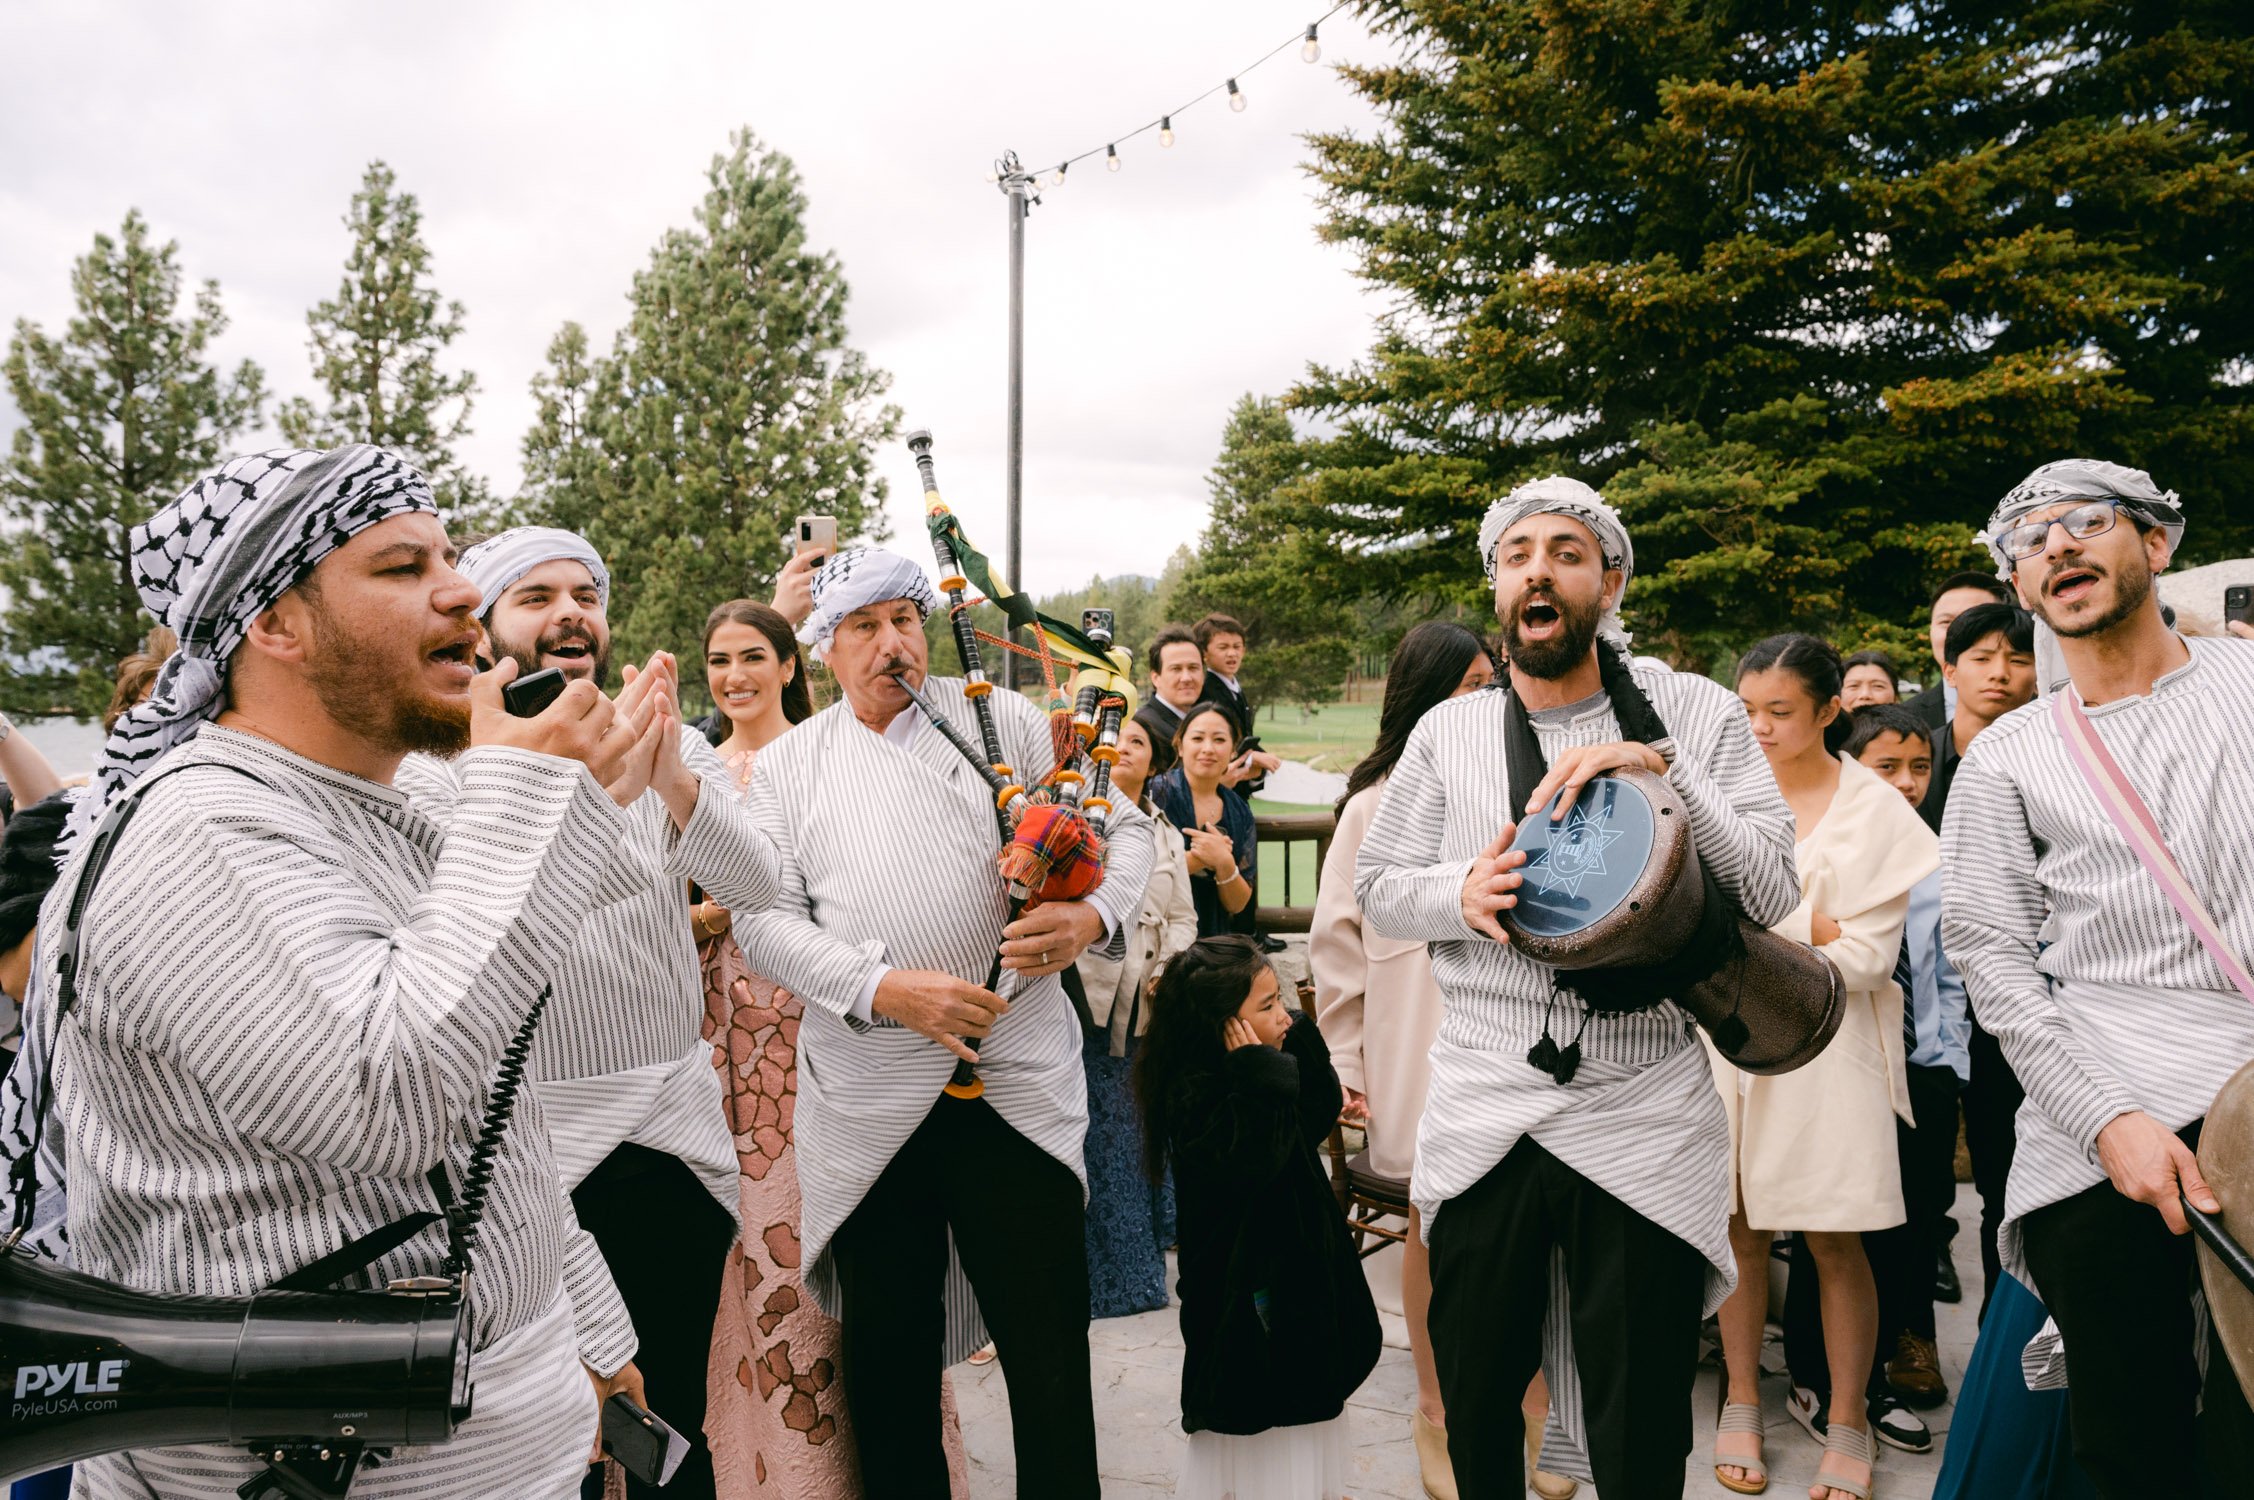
<point x="1573" y="768"/>
<point x="1492" y="885"/>
<point x="1821" y="929"/>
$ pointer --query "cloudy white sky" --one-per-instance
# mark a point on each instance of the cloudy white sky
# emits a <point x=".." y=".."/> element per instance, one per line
<point x="552" y="143"/>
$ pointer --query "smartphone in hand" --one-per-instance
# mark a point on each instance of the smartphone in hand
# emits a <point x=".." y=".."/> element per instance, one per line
<point x="815" y="534"/>
<point x="528" y="696"/>
<point x="2238" y="604"/>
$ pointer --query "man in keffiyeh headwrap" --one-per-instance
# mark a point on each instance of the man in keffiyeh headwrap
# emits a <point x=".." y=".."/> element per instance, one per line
<point x="925" y="1213"/>
<point x="634" y="1107"/>
<point x="1559" y="1138"/>
<point x="296" y="982"/>
<point x="2090" y="969"/>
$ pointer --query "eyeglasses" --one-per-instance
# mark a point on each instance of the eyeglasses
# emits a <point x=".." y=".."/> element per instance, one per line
<point x="2081" y="523"/>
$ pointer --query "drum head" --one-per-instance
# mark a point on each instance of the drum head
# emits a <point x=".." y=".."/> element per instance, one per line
<point x="1580" y="870"/>
<point x="2226" y="1160"/>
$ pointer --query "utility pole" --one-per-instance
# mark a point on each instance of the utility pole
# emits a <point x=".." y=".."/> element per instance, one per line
<point x="1017" y="186"/>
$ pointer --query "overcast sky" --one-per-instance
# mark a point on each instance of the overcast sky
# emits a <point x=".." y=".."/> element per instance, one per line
<point x="551" y="144"/>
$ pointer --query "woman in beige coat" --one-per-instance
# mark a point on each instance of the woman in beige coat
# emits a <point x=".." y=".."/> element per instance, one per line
<point x="1378" y="1005"/>
<point x="1130" y="1222"/>
<point x="1813" y="1150"/>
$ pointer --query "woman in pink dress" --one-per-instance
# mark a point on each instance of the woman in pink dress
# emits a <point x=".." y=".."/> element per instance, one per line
<point x="777" y="1423"/>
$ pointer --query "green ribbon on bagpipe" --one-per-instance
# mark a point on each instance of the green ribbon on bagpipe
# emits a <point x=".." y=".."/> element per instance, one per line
<point x="1068" y="643"/>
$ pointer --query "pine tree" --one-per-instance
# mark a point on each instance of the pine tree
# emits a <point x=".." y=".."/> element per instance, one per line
<point x="376" y="348"/>
<point x="120" y="414"/>
<point x="1264" y="559"/>
<point x="1804" y="289"/>
<point x="729" y="404"/>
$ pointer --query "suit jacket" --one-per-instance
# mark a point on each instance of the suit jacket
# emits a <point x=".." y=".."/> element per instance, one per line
<point x="1932" y="705"/>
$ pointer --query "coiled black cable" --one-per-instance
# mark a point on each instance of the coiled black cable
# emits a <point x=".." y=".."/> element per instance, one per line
<point x="465" y="1217"/>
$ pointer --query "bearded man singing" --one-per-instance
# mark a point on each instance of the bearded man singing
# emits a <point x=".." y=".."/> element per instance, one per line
<point x="2120" y="1023"/>
<point x="1578" y="1217"/>
<point x="296" y="981"/>
<point x="623" y="1074"/>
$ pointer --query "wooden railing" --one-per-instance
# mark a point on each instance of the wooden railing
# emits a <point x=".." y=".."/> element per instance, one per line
<point x="1280" y="835"/>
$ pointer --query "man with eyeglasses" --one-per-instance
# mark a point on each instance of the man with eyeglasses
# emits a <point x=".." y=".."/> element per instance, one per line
<point x="2120" y="1023"/>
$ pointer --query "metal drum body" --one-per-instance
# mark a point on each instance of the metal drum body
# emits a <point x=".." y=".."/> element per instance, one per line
<point x="1617" y="884"/>
<point x="2226" y="1160"/>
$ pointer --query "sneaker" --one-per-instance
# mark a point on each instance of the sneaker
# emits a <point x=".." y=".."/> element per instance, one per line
<point x="1895" y="1424"/>
<point x="1946" y="1287"/>
<point x="1809" y="1410"/>
<point x="1914" y="1373"/>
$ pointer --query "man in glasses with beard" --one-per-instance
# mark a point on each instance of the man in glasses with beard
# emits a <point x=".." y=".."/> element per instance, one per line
<point x="1599" y="1147"/>
<point x="2119" y="1020"/>
<point x="620" y="1065"/>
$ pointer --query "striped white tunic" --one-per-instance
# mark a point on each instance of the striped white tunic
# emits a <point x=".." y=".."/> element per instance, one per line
<point x="293" y="992"/>
<point x="2103" y="1000"/>
<point x="888" y="859"/>
<point x="1641" y="1118"/>
<point x="620" y="1055"/>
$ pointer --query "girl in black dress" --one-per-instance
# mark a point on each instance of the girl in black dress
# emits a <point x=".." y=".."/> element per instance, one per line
<point x="1278" y="1328"/>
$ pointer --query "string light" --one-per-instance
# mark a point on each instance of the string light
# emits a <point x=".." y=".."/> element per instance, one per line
<point x="1013" y="178"/>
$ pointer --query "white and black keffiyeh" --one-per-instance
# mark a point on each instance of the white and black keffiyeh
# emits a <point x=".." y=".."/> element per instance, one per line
<point x="2083" y="479"/>
<point x="855" y="579"/>
<point x="207" y="564"/>
<point x="1557" y="495"/>
<point x="503" y="558"/>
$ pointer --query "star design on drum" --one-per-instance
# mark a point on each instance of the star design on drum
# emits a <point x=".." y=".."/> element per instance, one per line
<point x="1575" y="852"/>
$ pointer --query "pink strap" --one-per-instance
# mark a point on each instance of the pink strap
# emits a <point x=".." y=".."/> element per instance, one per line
<point x="2137" y="825"/>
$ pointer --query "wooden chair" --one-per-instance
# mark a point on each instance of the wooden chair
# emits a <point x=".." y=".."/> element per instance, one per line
<point x="1365" y="1197"/>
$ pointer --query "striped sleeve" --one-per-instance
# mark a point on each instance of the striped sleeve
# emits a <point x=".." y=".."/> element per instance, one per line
<point x="605" y="1329"/>
<point x="1992" y="908"/>
<point x="783" y="941"/>
<point x="1405" y="888"/>
<point x="722" y="849"/>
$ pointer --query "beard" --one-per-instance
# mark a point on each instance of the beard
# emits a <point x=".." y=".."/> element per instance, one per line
<point x="528" y="658"/>
<point x="368" y="688"/>
<point x="2131" y="590"/>
<point x="1562" y="652"/>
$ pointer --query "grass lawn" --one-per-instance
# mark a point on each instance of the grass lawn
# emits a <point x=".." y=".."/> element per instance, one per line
<point x="1331" y="738"/>
<point x="1272" y="859"/>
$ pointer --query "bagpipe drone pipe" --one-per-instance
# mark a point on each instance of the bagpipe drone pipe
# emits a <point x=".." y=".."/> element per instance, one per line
<point x="314" y="1382"/>
<point x="1051" y="836"/>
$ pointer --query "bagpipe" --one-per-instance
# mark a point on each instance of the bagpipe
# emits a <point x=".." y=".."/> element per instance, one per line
<point x="1052" y="833"/>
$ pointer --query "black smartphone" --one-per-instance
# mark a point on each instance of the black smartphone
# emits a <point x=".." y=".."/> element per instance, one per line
<point x="527" y="696"/>
<point x="641" y="1441"/>
<point x="2238" y="604"/>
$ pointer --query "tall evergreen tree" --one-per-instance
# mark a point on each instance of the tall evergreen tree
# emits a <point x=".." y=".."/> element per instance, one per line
<point x="1263" y="562"/>
<point x="376" y="348"/>
<point x="1804" y="288"/>
<point x="729" y="403"/>
<point x="120" y="414"/>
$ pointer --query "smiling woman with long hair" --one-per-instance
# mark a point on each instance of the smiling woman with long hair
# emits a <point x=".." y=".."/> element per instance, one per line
<point x="1216" y="822"/>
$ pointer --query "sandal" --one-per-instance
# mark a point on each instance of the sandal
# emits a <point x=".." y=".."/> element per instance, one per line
<point x="1738" y="1422"/>
<point x="1848" y="1445"/>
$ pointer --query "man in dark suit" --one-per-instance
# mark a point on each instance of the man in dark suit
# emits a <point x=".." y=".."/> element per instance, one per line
<point x="1177" y="681"/>
<point x="1958" y="593"/>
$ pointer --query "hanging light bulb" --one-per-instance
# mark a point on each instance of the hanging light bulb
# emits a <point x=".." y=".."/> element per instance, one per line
<point x="1058" y="179"/>
<point x="1312" y="50"/>
<point x="1236" y="97"/>
<point x="1111" y="158"/>
<point x="1166" y="130"/>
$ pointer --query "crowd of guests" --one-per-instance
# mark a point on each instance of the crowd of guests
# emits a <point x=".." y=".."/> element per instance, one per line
<point x="781" y="1309"/>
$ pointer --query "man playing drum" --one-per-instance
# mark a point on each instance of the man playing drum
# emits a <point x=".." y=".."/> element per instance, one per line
<point x="1572" y="1167"/>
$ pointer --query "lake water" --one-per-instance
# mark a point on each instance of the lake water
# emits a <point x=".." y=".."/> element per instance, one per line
<point x="70" y="745"/>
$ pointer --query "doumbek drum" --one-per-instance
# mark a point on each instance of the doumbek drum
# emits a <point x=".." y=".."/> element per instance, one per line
<point x="1614" y="899"/>
<point x="2226" y="1269"/>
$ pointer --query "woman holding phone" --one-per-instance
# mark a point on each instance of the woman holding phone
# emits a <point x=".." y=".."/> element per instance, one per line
<point x="1216" y="822"/>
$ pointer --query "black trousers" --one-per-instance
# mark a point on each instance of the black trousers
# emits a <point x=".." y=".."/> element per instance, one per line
<point x="1019" y="1230"/>
<point x="1637" y="1291"/>
<point x="1991" y="1100"/>
<point x="666" y="1242"/>
<point x="2119" y="1285"/>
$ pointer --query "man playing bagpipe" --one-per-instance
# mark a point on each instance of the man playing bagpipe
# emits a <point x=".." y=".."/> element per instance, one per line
<point x="931" y="1218"/>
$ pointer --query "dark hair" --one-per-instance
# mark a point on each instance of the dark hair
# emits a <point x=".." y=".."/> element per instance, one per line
<point x="1987" y="583"/>
<point x="1984" y="620"/>
<point x="1878" y="659"/>
<point x="1815" y="662"/>
<point x="27" y="864"/>
<point x="798" y="700"/>
<point x="1209" y="706"/>
<point x="1191" y="1002"/>
<point x="1425" y="670"/>
<point x="1162" y="752"/>
<point x="1171" y="635"/>
<point x="1212" y="625"/>
<point x="1870" y="721"/>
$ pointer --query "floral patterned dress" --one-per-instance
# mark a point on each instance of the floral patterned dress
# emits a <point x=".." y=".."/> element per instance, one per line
<point x="778" y="1426"/>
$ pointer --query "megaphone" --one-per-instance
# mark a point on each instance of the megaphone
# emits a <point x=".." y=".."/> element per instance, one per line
<point x="311" y="1383"/>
